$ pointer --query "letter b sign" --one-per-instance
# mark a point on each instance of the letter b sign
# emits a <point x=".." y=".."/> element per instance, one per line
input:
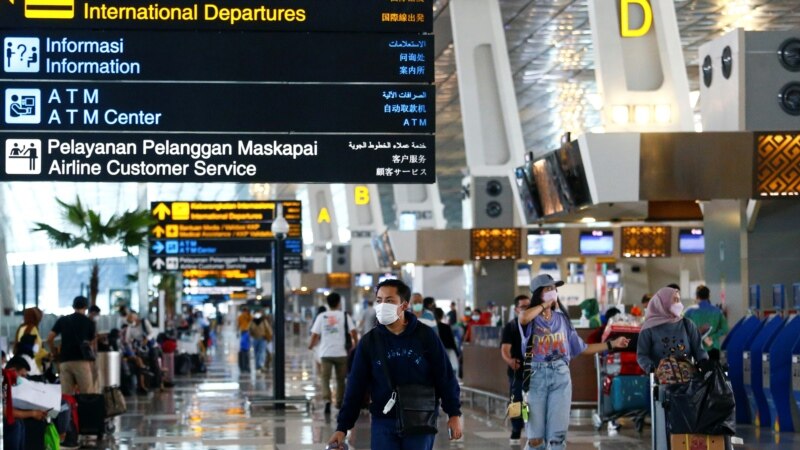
<point x="624" y="20"/>
<point x="361" y="194"/>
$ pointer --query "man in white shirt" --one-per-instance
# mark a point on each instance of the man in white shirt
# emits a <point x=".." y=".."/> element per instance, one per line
<point x="329" y="331"/>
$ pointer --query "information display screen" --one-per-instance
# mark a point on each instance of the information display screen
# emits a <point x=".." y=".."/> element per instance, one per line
<point x="597" y="242"/>
<point x="691" y="241"/>
<point x="544" y="242"/>
<point x="364" y="280"/>
<point x="573" y="175"/>
<point x="547" y="184"/>
<point x="528" y="192"/>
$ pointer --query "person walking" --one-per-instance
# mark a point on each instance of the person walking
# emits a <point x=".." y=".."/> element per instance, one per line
<point x="511" y="349"/>
<point x="261" y="333"/>
<point x="424" y="315"/>
<point x="76" y="354"/>
<point x="398" y="352"/>
<point x="552" y="344"/>
<point x="665" y="333"/>
<point x="709" y="320"/>
<point x="448" y="339"/>
<point x="329" y="332"/>
<point x="368" y="318"/>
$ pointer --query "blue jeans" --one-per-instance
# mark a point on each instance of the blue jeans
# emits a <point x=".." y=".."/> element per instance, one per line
<point x="515" y="388"/>
<point x="549" y="401"/>
<point x="260" y="349"/>
<point x="385" y="437"/>
<point x="14" y="435"/>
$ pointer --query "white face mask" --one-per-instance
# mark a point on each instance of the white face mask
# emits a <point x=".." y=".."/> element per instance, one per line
<point x="35" y="348"/>
<point x="676" y="309"/>
<point x="550" y="296"/>
<point x="476" y="317"/>
<point x="386" y="313"/>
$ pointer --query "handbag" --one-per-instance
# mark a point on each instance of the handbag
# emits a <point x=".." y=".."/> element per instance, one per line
<point x="416" y="404"/>
<point x="114" y="401"/>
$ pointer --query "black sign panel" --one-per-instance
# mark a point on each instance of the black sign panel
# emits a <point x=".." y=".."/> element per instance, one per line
<point x="182" y="56"/>
<point x="169" y="249"/>
<point x="234" y="15"/>
<point x="214" y="107"/>
<point x="198" y="157"/>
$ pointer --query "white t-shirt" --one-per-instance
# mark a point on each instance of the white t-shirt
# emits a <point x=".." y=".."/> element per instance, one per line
<point x="330" y="328"/>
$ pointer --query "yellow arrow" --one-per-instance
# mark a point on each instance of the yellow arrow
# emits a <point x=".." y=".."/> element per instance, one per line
<point x="162" y="211"/>
<point x="158" y="231"/>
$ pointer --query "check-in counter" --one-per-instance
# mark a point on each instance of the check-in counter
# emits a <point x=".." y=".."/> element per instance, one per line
<point x="485" y="369"/>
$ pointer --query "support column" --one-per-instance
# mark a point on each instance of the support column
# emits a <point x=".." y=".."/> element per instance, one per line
<point x="7" y="301"/>
<point x="144" y="268"/>
<point x="725" y="224"/>
<point x="366" y="221"/>
<point x="492" y="136"/>
<point x="324" y="225"/>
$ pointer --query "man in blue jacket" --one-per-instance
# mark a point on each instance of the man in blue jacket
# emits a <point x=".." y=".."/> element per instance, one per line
<point x="414" y="355"/>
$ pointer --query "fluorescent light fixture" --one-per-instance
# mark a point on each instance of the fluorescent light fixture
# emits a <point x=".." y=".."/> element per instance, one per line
<point x="694" y="98"/>
<point x="642" y="114"/>
<point x="588" y="220"/>
<point x="596" y="100"/>
<point x="663" y="114"/>
<point x="620" y="114"/>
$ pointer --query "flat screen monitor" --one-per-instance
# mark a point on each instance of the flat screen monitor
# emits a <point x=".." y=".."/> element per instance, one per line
<point x="778" y="297"/>
<point x="382" y="247"/>
<point x="544" y="242"/>
<point x="691" y="240"/>
<point x="386" y="276"/>
<point x="523" y="275"/>
<point x="528" y="193"/>
<point x="597" y="242"/>
<point x="548" y="185"/>
<point x="364" y="280"/>
<point x="573" y="175"/>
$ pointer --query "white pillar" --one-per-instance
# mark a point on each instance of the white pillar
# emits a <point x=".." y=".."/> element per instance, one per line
<point x="324" y="226"/>
<point x="366" y="221"/>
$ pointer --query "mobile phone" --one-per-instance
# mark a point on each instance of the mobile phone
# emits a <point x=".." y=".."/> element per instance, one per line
<point x="450" y="433"/>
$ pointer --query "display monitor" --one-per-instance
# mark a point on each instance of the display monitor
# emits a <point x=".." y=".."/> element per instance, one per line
<point x="523" y="275"/>
<point x="548" y="185"/>
<point x="528" y="193"/>
<point x="778" y="297"/>
<point x="572" y="175"/>
<point x="597" y="242"/>
<point x="382" y="247"/>
<point x="691" y="240"/>
<point x="544" y="242"/>
<point x="364" y="280"/>
<point x="386" y="276"/>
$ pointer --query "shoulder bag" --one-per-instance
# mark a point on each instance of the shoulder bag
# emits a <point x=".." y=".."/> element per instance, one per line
<point x="416" y="404"/>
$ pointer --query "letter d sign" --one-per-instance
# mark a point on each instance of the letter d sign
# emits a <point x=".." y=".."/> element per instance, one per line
<point x="625" y="25"/>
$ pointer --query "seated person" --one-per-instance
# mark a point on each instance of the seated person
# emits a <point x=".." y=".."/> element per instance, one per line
<point x="13" y="418"/>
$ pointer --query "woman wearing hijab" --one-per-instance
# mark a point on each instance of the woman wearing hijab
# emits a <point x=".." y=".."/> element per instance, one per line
<point x="665" y="333"/>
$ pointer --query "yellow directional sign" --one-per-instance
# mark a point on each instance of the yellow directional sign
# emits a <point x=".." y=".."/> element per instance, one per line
<point x="180" y="211"/>
<point x="162" y="211"/>
<point x="172" y="231"/>
<point x="49" y="9"/>
<point x="158" y="231"/>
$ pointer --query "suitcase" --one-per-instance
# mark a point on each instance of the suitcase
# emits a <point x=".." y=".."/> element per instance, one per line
<point x="630" y="393"/>
<point x="198" y="363"/>
<point x="623" y="363"/>
<point x="183" y="364"/>
<point x="91" y="414"/>
<point x="244" y="361"/>
<point x="168" y="362"/>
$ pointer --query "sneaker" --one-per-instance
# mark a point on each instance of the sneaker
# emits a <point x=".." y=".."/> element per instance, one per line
<point x="70" y="445"/>
<point x="327" y="408"/>
<point x="613" y="425"/>
<point x="515" y="438"/>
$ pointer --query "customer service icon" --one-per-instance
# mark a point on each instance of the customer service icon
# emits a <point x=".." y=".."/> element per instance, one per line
<point x="21" y="55"/>
<point x="23" y="106"/>
<point x="23" y="156"/>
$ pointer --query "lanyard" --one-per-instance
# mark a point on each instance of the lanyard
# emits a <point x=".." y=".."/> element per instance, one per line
<point x="522" y="335"/>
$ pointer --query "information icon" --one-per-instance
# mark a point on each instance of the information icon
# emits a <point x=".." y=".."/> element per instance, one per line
<point x="23" y="106"/>
<point x="21" y="55"/>
<point x="23" y="156"/>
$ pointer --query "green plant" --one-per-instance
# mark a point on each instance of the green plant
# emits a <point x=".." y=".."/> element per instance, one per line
<point x="128" y="230"/>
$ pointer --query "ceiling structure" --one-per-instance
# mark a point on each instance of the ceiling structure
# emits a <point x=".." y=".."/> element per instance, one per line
<point x="552" y="62"/>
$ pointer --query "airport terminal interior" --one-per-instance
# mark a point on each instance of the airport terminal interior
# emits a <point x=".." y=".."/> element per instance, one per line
<point x="188" y="177"/>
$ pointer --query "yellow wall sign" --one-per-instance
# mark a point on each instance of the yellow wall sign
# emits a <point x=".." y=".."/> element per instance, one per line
<point x="49" y="9"/>
<point x="361" y="194"/>
<point x="624" y="20"/>
<point x="323" y="216"/>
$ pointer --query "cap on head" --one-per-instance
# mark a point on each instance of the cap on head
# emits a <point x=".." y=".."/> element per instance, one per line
<point x="544" y="280"/>
<point x="80" y="302"/>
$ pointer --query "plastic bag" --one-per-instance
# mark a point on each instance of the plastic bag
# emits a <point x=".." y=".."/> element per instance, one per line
<point x="704" y="405"/>
<point x="51" y="438"/>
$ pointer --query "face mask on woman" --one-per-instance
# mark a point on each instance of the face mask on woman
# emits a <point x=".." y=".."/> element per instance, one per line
<point x="386" y="313"/>
<point x="476" y="317"/>
<point x="417" y="307"/>
<point x="550" y="296"/>
<point x="676" y="309"/>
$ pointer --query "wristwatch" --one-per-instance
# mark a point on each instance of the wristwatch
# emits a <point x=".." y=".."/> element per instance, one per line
<point x="610" y="347"/>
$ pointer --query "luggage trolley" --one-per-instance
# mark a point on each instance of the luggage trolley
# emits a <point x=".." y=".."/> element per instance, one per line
<point x="622" y="387"/>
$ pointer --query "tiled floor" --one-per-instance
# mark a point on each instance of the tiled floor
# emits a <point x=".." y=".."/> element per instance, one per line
<point x="211" y="412"/>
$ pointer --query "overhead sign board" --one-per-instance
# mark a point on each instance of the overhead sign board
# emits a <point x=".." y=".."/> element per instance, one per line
<point x="234" y="15"/>
<point x="182" y="56"/>
<point x="203" y="157"/>
<point x="237" y="235"/>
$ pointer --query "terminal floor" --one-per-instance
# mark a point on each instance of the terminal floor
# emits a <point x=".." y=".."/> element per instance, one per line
<point x="211" y="412"/>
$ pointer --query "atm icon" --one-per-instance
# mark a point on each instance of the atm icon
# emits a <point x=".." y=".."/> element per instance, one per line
<point x="49" y="9"/>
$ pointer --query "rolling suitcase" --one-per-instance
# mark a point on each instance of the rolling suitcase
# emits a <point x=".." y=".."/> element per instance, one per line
<point x="91" y="414"/>
<point x="183" y="364"/>
<point x="630" y="393"/>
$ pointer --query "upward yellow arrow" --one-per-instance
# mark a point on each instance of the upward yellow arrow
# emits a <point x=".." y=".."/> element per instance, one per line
<point x="162" y="211"/>
<point x="158" y="231"/>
